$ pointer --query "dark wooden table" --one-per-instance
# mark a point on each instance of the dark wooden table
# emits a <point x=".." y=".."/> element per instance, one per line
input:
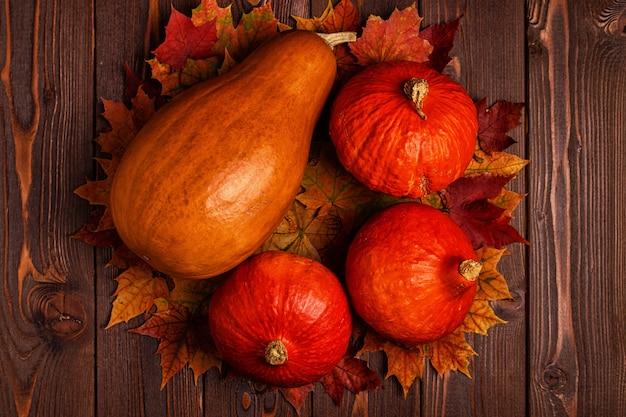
<point x="563" y="351"/>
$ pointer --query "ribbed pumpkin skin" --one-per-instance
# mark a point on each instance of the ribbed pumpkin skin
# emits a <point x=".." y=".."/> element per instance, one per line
<point x="213" y="172"/>
<point x="287" y="297"/>
<point x="402" y="274"/>
<point x="385" y="144"/>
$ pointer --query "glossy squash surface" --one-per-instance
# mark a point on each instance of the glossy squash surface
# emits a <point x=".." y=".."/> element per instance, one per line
<point x="213" y="172"/>
<point x="393" y="147"/>
<point x="281" y="319"/>
<point x="411" y="273"/>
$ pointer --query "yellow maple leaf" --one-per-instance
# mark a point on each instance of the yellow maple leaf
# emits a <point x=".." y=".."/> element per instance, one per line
<point x="480" y="318"/>
<point x="450" y="353"/>
<point x="496" y="163"/>
<point x="491" y="284"/>
<point x="136" y="291"/>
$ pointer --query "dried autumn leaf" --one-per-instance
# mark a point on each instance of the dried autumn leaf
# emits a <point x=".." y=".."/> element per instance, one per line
<point x="304" y="232"/>
<point x="480" y="318"/>
<point x="491" y="283"/>
<point x="329" y="186"/>
<point x="495" y="122"/>
<point x="467" y="202"/>
<point x="441" y="37"/>
<point x="179" y="339"/>
<point x="184" y="40"/>
<point x="508" y="200"/>
<point x="450" y="353"/>
<point x="254" y="28"/>
<point x="352" y="374"/>
<point x="495" y="163"/>
<point x="397" y="38"/>
<point x="93" y="234"/>
<point x="344" y="16"/>
<point x="296" y="396"/>
<point x="124" y="123"/>
<point x="136" y="291"/>
<point x="405" y="364"/>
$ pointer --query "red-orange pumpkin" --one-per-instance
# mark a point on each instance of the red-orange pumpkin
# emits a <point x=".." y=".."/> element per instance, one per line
<point x="411" y="273"/>
<point x="404" y="129"/>
<point x="281" y="319"/>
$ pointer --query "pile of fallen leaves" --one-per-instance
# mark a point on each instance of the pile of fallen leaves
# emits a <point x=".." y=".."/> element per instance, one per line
<point x="332" y="204"/>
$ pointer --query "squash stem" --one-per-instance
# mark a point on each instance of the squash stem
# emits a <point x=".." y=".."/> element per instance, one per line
<point x="276" y="353"/>
<point x="416" y="90"/>
<point x="470" y="269"/>
<point x="334" y="39"/>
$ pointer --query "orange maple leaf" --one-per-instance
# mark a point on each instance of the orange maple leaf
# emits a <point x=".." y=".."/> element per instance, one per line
<point x="450" y="353"/>
<point x="397" y="38"/>
<point x="136" y="291"/>
<point x="344" y="16"/>
<point x="405" y="364"/>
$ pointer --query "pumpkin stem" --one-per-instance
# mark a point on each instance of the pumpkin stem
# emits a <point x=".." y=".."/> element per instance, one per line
<point x="276" y="353"/>
<point x="470" y="269"/>
<point x="416" y="90"/>
<point x="334" y="39"/>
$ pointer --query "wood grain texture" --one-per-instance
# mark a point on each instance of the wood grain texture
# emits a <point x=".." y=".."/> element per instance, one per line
<point x="563" y="350"/>
<point x="47" y="305"/>
<point x="576" y="77"/>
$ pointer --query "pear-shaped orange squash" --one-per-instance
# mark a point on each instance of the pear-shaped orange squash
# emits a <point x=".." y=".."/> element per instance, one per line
<point x="213" y="172"/>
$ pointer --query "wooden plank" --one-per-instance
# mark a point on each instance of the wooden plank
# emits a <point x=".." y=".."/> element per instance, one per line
<point x="489" y="61"/>
<point x="46" y="311"/>
<point x="128" y="371"/>
<point x="577" y="62"/>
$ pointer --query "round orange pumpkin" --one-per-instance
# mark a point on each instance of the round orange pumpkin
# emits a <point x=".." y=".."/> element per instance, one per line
<point x="281" y="319"/>
<point x="404" y="129"/>
<point x="411" y="273"/>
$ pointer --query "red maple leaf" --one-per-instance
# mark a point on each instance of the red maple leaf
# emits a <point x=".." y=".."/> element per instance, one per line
<point x="467" y="202"/>
<point x="352" y="374"/>
<point x="441" y="37"/>
<point x="495" y="122"/>
<point x="185" y="40"/>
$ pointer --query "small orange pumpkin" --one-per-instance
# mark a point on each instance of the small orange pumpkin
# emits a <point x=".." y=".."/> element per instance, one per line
<point x="281" y="319"/>
<point x="411" y="273"/>
<point x="404" y="129"/>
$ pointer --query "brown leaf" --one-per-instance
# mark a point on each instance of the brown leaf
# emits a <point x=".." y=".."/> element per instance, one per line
<point x="296" y="396"/>
<point x="179" y="338"/>
<point x="329" y="186"/>
<point x="441" y="37"/>
<point x="352" y="374"/>
<point x="495" y="122"/>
